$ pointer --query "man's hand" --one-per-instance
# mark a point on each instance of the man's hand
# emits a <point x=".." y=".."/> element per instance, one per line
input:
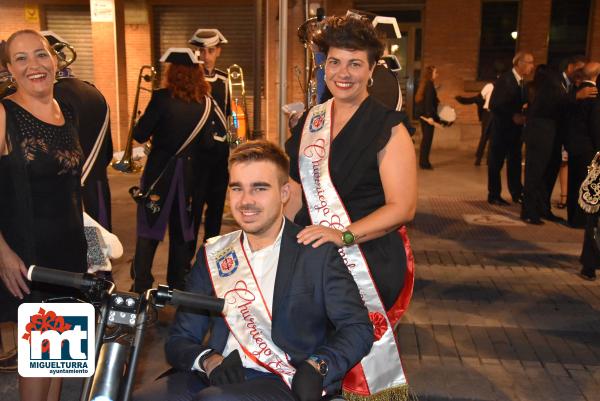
<point x="224" y="370"/>
<point x="12" y="271"/>
<point x="587" y="92"/>
<point x="432" y="122"/>
<point x="211" y="363"/>
<point x="307" y="383"/>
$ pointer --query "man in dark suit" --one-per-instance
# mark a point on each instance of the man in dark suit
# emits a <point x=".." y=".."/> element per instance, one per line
<point x="507" y="103"/>
<point x="583" y="142"/>
<point x="93" y="125"/>
<point x="572" y="96"/>
<point x="309" y="305"/>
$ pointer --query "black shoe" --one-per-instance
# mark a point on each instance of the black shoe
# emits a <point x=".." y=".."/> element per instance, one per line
<point x="427" y="166"/>
<point x="529" y="220"/>
<point x="498" y="202"/>
<point x="554" y="218"/>
<point x="587" y="275"/>
<point x="517" y="199"/>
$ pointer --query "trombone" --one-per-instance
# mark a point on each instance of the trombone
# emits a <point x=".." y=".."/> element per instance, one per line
<point x="237" y="123"/>
<point x="306" y="32"/>
<point x="127" y="164"/>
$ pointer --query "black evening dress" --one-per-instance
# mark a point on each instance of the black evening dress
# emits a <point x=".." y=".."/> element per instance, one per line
<point x="41" y="213"/>
<point x="355" y="174"/>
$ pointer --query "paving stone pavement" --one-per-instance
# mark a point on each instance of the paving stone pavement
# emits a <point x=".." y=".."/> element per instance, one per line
<point x="498" y="311"/>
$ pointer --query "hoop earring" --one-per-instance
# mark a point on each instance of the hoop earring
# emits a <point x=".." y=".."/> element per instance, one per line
<point x="370" y="83"/>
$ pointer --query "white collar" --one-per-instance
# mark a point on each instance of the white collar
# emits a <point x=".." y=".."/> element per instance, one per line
<point x="517" y="76"/>
<point x="275" y="243"/>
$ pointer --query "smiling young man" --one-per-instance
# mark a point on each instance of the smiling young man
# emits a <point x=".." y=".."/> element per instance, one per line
<point x="294" y="321"/>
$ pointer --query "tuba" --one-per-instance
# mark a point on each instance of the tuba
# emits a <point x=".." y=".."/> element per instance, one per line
<point x="127" y="164"/>
<point x="237" y="123"/>
<point x="306" y="31"/>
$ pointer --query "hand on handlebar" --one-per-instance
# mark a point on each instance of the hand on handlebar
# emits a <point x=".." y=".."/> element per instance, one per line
<point x="228" y="371"/>
<point x="13" y="272"/>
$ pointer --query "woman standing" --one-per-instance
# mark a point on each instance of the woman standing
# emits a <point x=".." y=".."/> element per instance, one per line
<point x="427" y="104"/>
<point x="41" y="214"/>
<point x="175" y="120"/>
<point x="356" y="163"/>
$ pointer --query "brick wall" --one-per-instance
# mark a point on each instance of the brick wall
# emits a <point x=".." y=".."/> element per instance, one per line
<point x="594" y="31"/>
<point x="13" y="18"/>
<point x="456" y="60"/>
<point x="534" y="25"/>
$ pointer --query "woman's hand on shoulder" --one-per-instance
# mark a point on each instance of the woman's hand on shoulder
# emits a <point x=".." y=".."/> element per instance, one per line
<point x="12" y="271"/>
<point x="319" y="235"/>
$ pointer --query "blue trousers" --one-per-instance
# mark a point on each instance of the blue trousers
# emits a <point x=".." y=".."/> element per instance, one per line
<point x="190" y="386"/>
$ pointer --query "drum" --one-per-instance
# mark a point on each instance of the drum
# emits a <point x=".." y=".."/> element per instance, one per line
<point x="386" y="87"/>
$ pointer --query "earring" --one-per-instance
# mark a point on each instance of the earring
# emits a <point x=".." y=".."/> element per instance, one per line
<point x="370" y="83"/>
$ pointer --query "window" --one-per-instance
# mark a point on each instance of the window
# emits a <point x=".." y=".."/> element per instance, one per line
<point x="568" y="30"/>
<point x="498" y="37"/>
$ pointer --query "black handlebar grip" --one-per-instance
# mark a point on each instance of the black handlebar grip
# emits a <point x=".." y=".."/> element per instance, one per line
<point x="58" y="277"/>
<point x="197" y="301"/>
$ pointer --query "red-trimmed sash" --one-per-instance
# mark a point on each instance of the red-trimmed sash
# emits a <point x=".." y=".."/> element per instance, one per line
<point x="246" y="312"/>
<point x="381" y="370"/>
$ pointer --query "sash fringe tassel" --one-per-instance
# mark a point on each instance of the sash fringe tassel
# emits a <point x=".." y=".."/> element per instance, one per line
<point x="400" y="393"/>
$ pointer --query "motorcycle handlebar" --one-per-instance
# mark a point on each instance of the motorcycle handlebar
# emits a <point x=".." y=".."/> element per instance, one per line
<point x="197" y="301"/>
<point x="60" y="277"/>
<point x="84" y="281"/>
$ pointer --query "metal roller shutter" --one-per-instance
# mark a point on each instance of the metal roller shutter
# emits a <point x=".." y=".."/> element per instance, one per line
<point x="175" y="25"/>
<point x="73" y="24"/>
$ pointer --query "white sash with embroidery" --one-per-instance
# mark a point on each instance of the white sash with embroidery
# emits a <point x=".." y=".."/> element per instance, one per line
<point x="382" y="367"/>
<point x="246" y="312"/>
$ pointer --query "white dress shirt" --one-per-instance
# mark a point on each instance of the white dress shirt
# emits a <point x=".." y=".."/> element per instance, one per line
<point x="264" y="265"/>
<point x="517" y="76"/>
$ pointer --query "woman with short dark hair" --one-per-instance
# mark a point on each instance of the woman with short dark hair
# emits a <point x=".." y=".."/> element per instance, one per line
<point x="356" y="163"/>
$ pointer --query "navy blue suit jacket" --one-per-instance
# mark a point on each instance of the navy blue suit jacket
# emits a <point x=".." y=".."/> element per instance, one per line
<point x="316" y="310"/>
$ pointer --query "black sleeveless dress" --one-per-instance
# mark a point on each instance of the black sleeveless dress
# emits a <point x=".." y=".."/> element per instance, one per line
<point x="355" y="174"/>
<point x="41" y="213"/>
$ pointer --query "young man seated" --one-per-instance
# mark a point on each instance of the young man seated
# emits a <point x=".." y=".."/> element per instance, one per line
<point x="294" y="323"/>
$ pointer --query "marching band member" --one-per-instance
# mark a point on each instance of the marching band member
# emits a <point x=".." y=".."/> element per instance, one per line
<point x="93" y="116"/>
<point x="294" y="322"/>
<point x="178" y="118"/>
<point x="356" y="163"/>
<point x="212" y="185"/>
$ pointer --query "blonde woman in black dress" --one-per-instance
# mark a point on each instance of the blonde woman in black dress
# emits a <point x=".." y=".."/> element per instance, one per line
<point x="41" y="218"/>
